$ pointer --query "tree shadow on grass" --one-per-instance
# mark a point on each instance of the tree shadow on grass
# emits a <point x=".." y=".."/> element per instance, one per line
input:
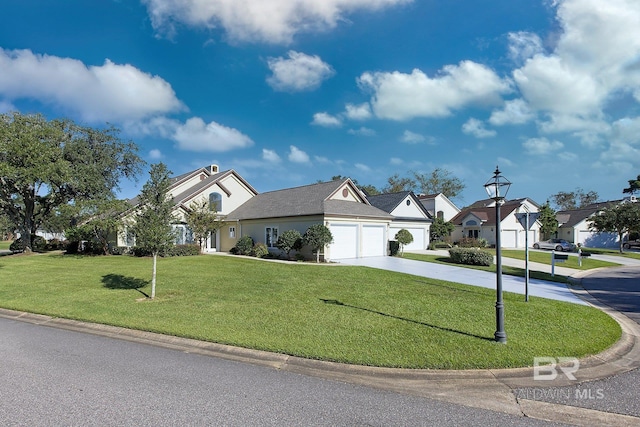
<point x="440" y="328"/>
<point x="118" y="281"/>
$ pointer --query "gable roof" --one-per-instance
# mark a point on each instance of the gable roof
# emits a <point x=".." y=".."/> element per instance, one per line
<point x="314" y="199"/>
<point x="485" y="210"/>
<point x="389" y="201"/>
<point x="572" y="217"/>
<point x="210" y="178"/>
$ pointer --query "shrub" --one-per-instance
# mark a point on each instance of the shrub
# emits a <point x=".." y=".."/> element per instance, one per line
<point x="55" y="245"/>
<point x="260" y="250"/>
<point x="183" y="250"/>
<point x="39" y="244"/>
<point x="244" y="246"/>
<point x="118" y="250"/>
<point x="469" y="242"/>
<point x="288" y="241"/>
<point x="470" y="256"/>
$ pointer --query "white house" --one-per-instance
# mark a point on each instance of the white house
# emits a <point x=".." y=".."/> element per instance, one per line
<point x="439" y="206"/>
<point x="479" y="221"/>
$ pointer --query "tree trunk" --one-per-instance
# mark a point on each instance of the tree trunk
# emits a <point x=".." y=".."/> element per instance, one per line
<point x="153" y="275"/>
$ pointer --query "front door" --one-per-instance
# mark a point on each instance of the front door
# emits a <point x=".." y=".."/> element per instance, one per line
<point x="213" y="242"/>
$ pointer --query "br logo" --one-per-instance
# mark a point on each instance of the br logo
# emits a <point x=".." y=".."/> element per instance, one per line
<point x="546" y="368"/>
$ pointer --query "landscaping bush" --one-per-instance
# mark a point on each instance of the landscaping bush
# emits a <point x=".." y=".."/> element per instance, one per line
<point x="260" y="250"/>
<point x="470" y="256"/>
<point x="244" y="245"/>
<point x="39" y="245"/>
<point x="183" y="250"/>
<point x="439" y="245"/>
<point x="55" y="245"/>
<point x="118" y="250"/>
<point x="468" y="242"/>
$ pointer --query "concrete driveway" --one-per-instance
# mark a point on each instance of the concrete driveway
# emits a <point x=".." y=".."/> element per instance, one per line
<point x="468" y="276"/>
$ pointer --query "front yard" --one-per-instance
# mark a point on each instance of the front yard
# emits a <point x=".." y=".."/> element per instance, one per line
<point x="339" y="313"/>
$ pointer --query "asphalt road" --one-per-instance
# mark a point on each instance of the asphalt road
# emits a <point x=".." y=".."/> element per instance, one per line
<point x="619" y="288"/>
<point x="56" y="377"/>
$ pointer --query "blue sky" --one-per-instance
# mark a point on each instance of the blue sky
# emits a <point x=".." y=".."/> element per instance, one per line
<point x="289" y="92"/>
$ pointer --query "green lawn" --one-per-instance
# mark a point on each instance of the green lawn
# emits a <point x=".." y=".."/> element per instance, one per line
<point x="545" y="258"/>
<point x="616" y="252"/>
<point x="4" y="245"/>
<point x="339" y="313"/>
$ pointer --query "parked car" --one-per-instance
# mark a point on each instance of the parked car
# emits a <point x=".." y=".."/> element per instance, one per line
<point x="631" y="244"/>
<point x="559" y="245"/>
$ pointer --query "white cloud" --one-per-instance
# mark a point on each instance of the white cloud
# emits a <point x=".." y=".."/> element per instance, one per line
<point x="524" y="45"/>
<point x="155" y="154"/>
<point x="363" y="131"/>
<point x="358" y="112"/>
<point x="271" y="21"/>
<point x="591" y="63"/>
<point x="400" y="96"/>
<point x="196" y="135"/>
<point x="6" y="107"/>
<point x="362" y="167"/>
<point x="476" y="128"/>
<point x="541" y="146"/>
<point x="323" y="160"/>
<point x="395" y="161"/>
<point x="515" y="112"/>
<point x="110" y="92"/>
<point x="412" y="137"/>
<point x="297" y="156"/>
<point x="505" y="162"/>
<point x="326" y="120"/>
<point x="270" y="156"/>
<point x="298" y="73"/>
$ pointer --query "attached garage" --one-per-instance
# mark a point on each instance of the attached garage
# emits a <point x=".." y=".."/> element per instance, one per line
<point x="418" y="238"/>
<point x="373" y="240"/>
<point x="508" y="238"/>
<point x="345" y="241"/>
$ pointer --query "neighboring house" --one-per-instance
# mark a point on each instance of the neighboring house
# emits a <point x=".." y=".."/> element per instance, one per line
<point x="479" y="221"/>
<point x="408" y="213"/>
<point x="225" y="191"/>
<point x="573" y="225"/>
<point x="439" y="206"/>
<point x="358" y="228"/>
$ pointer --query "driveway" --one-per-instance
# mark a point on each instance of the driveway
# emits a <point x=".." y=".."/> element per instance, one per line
<point x="468" y="276"/>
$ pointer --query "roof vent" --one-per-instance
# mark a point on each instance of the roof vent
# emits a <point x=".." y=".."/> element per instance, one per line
<point x="214" y="168"/>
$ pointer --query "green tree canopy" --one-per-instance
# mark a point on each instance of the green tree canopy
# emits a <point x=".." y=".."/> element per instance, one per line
<point x="317" y="237"/>
<point x="46" y="164"/>
<point x="620" y="218"/>
<point x="440" y="229"/>
<point x="439" y="181"/>
<point x="548" y="220"/>
<point x="152" y="228"/>
<point x="634" y="185"/>
<point x="576" y="199"/>
<point x="97" y="221"/>
<point x="397" y="184"/>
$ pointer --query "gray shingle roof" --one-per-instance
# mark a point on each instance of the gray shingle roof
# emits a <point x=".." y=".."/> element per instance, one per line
<point x="303" y="201"/>
<point x="388" y="201"/>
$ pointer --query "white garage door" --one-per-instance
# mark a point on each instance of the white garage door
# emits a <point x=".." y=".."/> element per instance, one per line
<point x="345" y="241"/>
<point x="418" y="238"/>
<point x="508" y="238"/>
<point x="373" y="241"/>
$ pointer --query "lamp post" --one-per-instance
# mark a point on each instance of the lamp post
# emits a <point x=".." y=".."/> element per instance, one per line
<point x="497" y="188"/>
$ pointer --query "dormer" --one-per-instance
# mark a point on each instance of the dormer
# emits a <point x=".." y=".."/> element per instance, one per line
<point x="214" y="169"/>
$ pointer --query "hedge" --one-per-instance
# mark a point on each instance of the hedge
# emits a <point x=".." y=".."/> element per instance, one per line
<point x="470" y="256"/>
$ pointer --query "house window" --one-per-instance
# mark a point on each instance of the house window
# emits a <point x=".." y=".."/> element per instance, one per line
<point x="440" y="215"/>
<point x="408" y="202"/>
<point x="232" y="232"/>
<point x="215" y="202"/>
<point x="473" y="234"/>
<point x="271" y="236"/>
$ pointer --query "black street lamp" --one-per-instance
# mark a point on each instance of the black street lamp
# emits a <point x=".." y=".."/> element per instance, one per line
<point x="497" y="188"/>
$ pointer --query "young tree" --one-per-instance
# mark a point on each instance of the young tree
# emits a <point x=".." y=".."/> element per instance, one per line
<point x="203" y="220"/>
<point x="439" y="181"/>
<point x="548" y="221"/>
<point x="288" y="241"/>
<point x="404" y="237"/>
<point x="152" y="228"/>
<point x="621" y="219"/>
<point x="317" y="236"/>
<point x="440" y="229"/>
<point x="46" y="164"/>
<point x="577" y="199"/>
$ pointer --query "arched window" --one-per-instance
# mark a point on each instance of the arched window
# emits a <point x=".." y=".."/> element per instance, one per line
<point x="215" y="202"/>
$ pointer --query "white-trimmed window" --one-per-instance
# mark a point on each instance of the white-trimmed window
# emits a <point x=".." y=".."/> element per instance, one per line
<point x="232" y="232"/>
<point x="271" y="236"/>
<point x="215" y="202"/>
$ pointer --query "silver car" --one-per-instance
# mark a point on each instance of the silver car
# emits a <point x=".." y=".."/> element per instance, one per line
<point x="559" y="245"/>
